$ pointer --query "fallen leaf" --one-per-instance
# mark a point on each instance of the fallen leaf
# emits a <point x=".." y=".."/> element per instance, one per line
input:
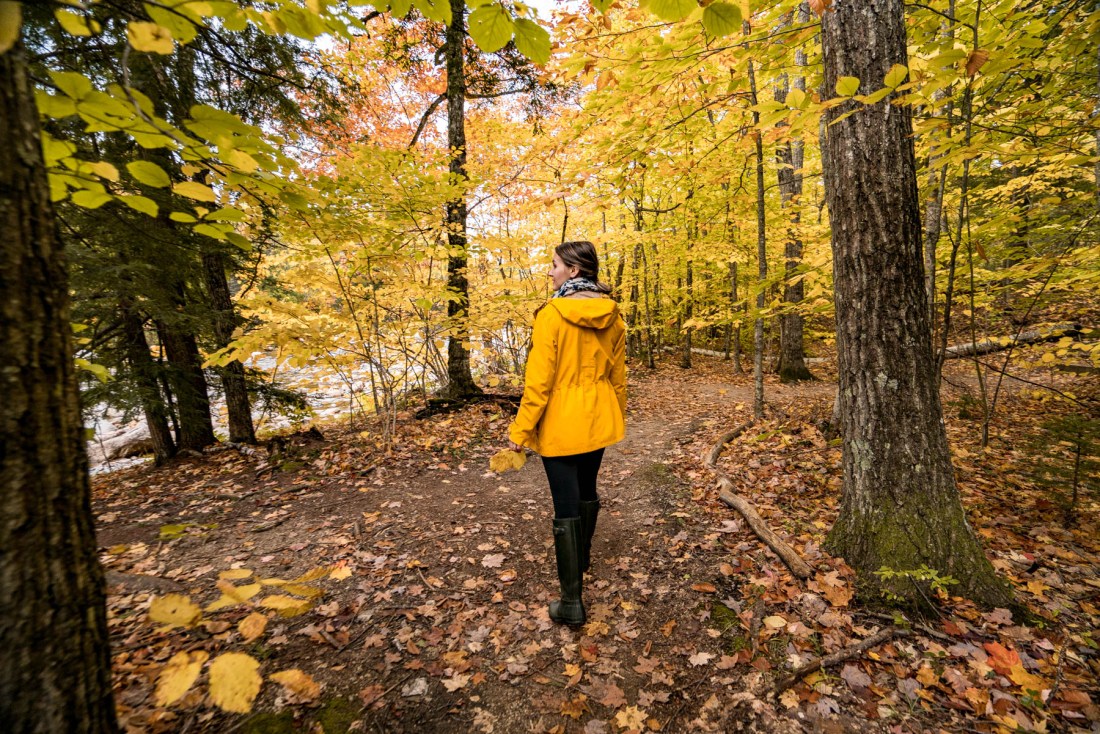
<point x="631" y="717"/>
<point x="300" y="687"/>
<point x="234" y="682"/>
<point x="179" y="675"/>
<point x="252" y="626"/>
<point x="700" y="658"/>
<point x="704" y="587"/>
<point x="175" y="610"/>
<point x="493" y="560"/>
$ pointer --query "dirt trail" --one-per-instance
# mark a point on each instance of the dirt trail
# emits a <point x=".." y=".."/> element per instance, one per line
<point x="440" y="624"/>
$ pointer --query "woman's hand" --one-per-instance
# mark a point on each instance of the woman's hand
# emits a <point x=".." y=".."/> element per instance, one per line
<point x="515" y="447"/>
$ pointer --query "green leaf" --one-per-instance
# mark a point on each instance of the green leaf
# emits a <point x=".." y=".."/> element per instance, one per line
<point x="239" y="240"/>
<point x="72" y="83"/>
<point x="150" y="37"/>
<point x="210" y="231"/>
<point x="672" y="9"/>
<point x="54" y="105"/>
<point x="532" y="40"/>
<point x="148" y="173"/>
<point x="226" y="214"/>
<point x="491" y="27"/>
<point x="182" y="217"/>
<point x="796" y="99"/>
<point x="602" y="5"/>
<point x="90" y="199"/>
<point x="400" y="8"/>
<point x="11" y="20"/>
<point x="437" y="10"/>
<point x="721" y="19"/>
<point x="101" y="372"/>
<point x="846" y="86"/>
<point x="142" y="204"/>
<point x="195" y="190"/>
<point x="896" y="75"/>
<point x="75" y="24"/>
<point x="875" y="97"/>
<point x="182" y="29"/>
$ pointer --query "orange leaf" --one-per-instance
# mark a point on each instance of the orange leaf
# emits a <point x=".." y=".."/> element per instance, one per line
<point x="705" y="588"/>
<point x="1001" y="658"/>
<point x="820" y="6"/>
<point x="976" y="60"/>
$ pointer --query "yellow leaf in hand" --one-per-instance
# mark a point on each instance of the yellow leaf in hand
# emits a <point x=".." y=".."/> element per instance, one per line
<point x="235" y="681"/>
<point x="507" y="460"/>
<point x="179" y="675"/>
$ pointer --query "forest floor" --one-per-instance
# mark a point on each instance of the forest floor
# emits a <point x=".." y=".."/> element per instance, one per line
<point x="409" y="590"/>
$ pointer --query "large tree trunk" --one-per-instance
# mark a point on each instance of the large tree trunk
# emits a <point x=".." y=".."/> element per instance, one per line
<point x="459" y="378"/>
<point x="792" y="355"/>
<point x="900" y="508"/>
<point x="55" y="668"/>
<point x="143" y="372"/>
<point x="185" y="375"/>
<point x="225" y="321"/>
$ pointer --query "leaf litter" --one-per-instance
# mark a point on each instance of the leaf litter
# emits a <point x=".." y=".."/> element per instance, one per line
<point x="414" y="585"/>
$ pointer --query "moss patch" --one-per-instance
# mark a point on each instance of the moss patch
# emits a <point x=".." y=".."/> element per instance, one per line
<point x="269" y="723"/>
<point x="337" y="715"/>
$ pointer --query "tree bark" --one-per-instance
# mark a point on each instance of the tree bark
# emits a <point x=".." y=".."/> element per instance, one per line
<point x="237" y="404"/>
<point x="762" y="264"/>
<point x="185" y="375"/>
<point x="55" y="669"/>
<point x="900" y="507"/>
<point x="143" y="372"/>
<point x="460" y="380"/>
<point x="790" y="154"/>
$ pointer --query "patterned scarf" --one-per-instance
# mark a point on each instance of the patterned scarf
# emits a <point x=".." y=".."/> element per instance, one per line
<point x="576" y="285"/>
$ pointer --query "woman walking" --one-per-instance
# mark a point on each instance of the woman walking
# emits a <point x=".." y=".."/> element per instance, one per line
<point x="573" y="406"/>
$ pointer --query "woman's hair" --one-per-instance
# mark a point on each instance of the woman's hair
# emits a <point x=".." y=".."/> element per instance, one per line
<point x="581" y="254"/>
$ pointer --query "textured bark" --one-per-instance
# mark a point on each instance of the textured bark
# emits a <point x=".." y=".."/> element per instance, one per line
<point x="143" y="373"/>
<point x="460" y="380"/>
<point x="737" y="368"/>
<point x="55" y="668"/>
<point x="185" y="375"/>
<point x="900" y="507"/>
<point x="762" y="265"/>
<point x="792" y="354"/>
<point x="689" y="310"/>
<point x="237" y="404"/>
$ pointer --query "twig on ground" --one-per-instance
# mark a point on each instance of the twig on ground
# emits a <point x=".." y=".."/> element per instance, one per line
<point x="798" y="567"/>
<point x="840" y="656"/>
<point x="711" y="459"/>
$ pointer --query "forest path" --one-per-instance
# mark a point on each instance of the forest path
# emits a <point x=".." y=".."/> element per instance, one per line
<point x="424" y="577"/>
<point x="440" y="623"/>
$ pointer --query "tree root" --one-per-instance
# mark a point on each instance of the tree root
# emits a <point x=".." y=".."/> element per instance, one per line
<point x="840" y="656"/>
<point x="440" y="406"/>
<point x="798" y="567"/>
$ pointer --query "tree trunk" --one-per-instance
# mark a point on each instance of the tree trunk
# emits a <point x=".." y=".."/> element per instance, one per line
<point x="225" y="322"/>
<point x="762" y="265"/>
<point x="689" y="310"/>
<point x="737" y="368"/>
<point x="55" y="672"/>
<point x="900" y="508"/>
<point x="792" y="355"/>
<point x="185" y="375"/>
<point x="460" y="380"/>
<point x="143" y="371"/>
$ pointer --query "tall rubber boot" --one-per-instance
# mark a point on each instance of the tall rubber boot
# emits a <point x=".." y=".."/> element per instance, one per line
<point x="589" y="512"/>
<point x="567" y="547"/>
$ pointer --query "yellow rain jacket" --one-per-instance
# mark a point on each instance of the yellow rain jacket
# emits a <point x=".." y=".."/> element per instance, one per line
<point x="574" y="393"/>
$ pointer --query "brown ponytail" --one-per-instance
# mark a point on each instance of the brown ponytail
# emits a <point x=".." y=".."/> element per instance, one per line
<point x="581" y="254"/>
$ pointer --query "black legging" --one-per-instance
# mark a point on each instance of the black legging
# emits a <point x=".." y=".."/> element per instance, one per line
<point x="572" y="481"/>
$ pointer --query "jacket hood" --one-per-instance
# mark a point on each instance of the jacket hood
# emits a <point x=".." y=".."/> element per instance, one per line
<point x="591" y="313"/>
